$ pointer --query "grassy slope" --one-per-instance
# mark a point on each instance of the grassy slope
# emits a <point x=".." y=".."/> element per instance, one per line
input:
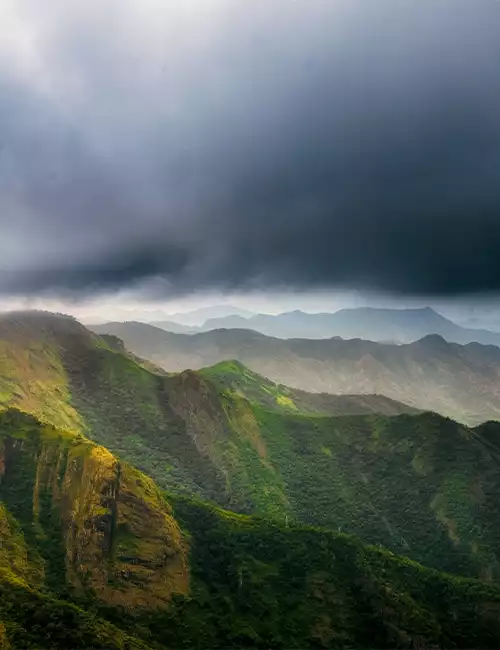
<point x="340" y="473"/>
<point x="462" y="382"/>
<point x="56" y="369"/>
<point x="33" y="377"/>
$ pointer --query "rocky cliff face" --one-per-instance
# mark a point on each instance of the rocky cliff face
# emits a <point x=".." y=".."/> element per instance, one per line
<point x="83" y="519"/>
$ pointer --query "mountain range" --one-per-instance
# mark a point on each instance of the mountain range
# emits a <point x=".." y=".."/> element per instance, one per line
<point x="459" y="381"/>
<point x="198" y="317"/>
<point x="279" y="507"/>
<point x="368" y="323"/>
<point x="194" y="321"/>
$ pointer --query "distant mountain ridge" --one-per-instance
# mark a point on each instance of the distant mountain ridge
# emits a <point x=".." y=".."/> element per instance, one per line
<point x="368" y="323"/>
<point x="197" y="317"/>
<point x="459" y="381"/>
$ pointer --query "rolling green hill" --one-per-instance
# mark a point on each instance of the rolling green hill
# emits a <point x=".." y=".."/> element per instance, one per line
<point x="92" y="555"/>
<point x="420" y="484"/>
<point x="458" y="381"/>
<point x="233" y="377"/>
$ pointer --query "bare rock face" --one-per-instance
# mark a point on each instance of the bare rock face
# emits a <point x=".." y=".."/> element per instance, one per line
<point x="118" y="538"/>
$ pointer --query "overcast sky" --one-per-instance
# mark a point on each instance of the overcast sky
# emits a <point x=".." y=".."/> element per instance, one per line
<point x="156" y="150"/>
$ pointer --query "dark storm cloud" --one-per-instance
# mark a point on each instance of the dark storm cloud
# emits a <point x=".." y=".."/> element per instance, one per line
<point x="250" y="145"/>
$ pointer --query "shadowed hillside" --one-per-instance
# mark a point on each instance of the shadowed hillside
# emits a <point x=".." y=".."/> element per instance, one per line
<point x="33" y="619"/>
<point x="299" y="587"/>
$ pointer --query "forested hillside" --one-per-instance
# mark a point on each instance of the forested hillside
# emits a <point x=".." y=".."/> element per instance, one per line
<point x="94" y="556"/>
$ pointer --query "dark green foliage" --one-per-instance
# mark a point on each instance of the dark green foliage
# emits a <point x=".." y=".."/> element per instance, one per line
<point x="421" y="485"/>
<point x="260" y="585"/>
<point x="30" y="619"/>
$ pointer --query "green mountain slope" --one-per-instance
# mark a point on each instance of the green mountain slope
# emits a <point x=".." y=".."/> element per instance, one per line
<point x="423" y="485"/>
<point x="458" y="381"/>
<point x="419" y="484"/>
<point x="96" y="558"/>
<point x="57" y="370"/>
<point x="235" y="378"/>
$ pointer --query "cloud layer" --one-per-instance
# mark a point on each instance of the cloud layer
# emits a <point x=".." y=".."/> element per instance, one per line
<point x="220" y="144"/>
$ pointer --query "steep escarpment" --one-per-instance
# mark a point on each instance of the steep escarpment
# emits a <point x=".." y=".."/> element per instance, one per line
<point x="85" y="522"/>
<point x="224" y="429"/>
